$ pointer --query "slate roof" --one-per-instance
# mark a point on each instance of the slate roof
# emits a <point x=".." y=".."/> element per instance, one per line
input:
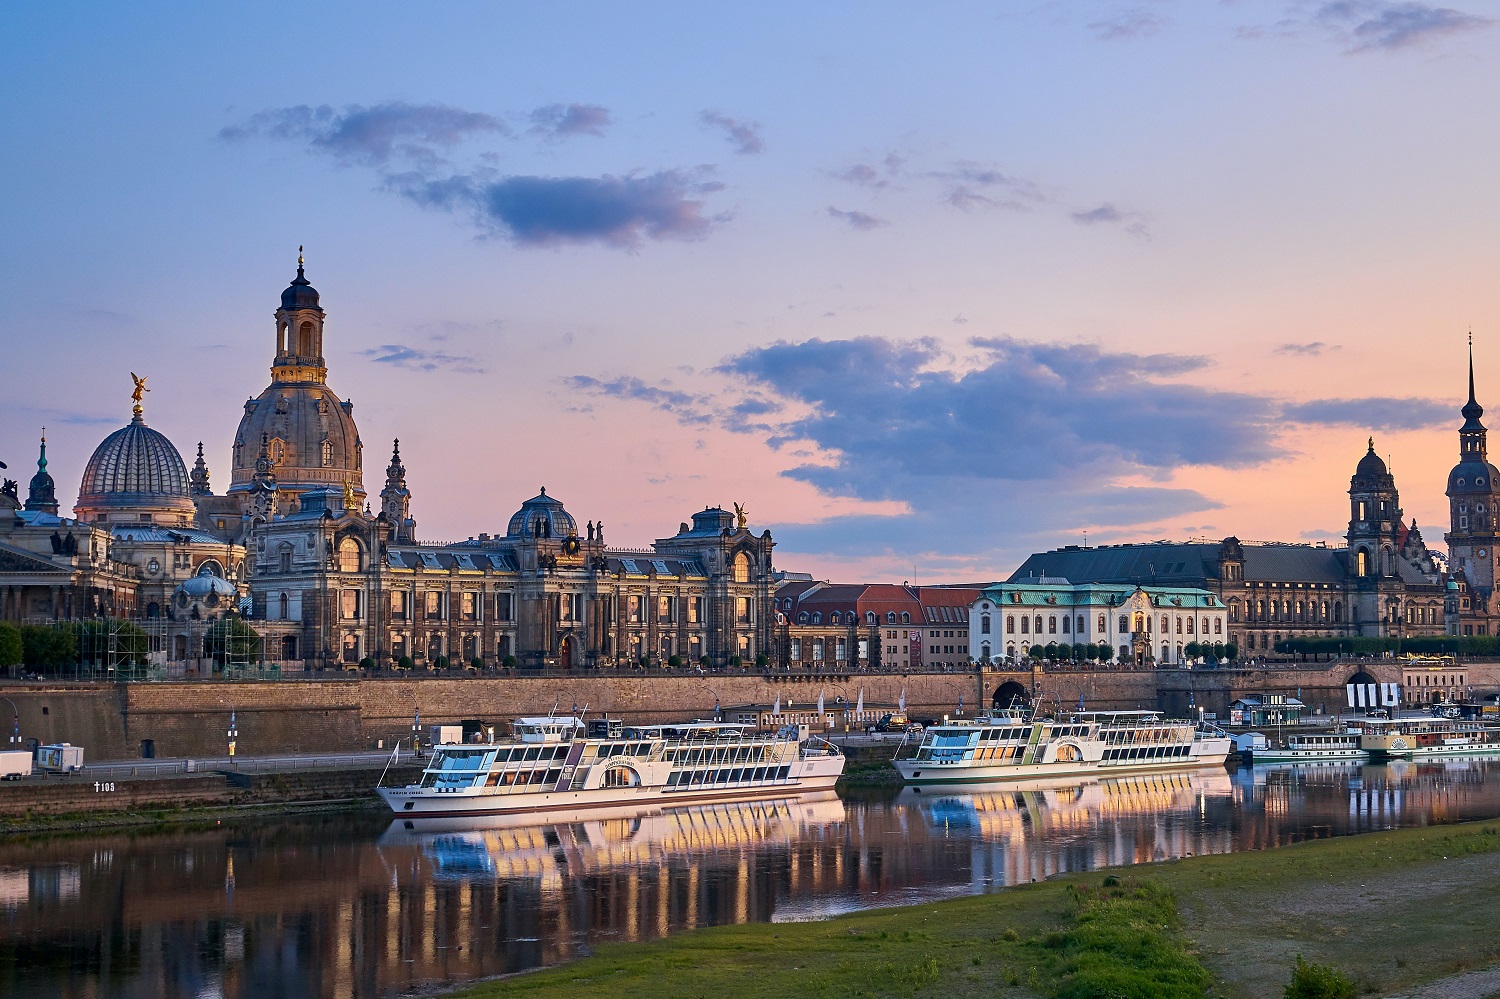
<point x="1187" y="564"/>
<point x="445" y="560"/>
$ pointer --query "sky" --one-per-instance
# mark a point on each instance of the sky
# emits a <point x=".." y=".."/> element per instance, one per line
<point x="924" y="287"/>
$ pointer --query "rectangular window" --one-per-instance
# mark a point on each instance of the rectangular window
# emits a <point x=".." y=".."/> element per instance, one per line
<point x="432" y="604"/>
<point x="504" y="607"/>
<point x="634" y="612"/>
<point x="742" y="610"/>
<point x="469" y="605"/>
<point x="398" y="604"/>
<point x="350" y="600"/>
<point x="666" y="610"/>
<point x="695" y="610"/>
<point x="796" y="650"/>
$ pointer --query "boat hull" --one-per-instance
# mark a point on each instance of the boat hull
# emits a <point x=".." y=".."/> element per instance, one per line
<point x="927" y="772"/>
<point x="1258" y="756"/>
<point x="410" y="802"/>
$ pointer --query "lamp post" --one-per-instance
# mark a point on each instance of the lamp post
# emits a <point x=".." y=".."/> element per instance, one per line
<point x="416" y="731"/>
<point x="233" y="733"/>
<point x="15" y="731"/>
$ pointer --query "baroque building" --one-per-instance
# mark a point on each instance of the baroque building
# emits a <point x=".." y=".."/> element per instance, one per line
<point x="1382" y="582"/>
<point x="1473" y="505"/>
<point x="294" y="547"/>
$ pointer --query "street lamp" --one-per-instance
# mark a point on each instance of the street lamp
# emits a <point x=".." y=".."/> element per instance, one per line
<point x="233" y="733"/>
<point x="15" y="732"/>
<point x="416" y="731"/>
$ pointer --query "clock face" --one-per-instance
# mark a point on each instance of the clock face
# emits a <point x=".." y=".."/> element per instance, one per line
<point x="1482" y="553"/>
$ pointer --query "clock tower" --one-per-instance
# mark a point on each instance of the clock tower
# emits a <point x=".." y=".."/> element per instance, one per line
<point x="1473" y="495"/>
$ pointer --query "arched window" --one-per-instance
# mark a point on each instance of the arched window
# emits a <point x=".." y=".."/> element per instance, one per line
<point x="833" y="618"/>
<point x="276" y="451"/>
<point x="210" y="567"/>
<point x="306" y="340"/>
<point x="870" y="617"/>
<point x="1052" y="624"/>
<point x="1066" y="622"/>
<point x="1179" y="624"/>
<point x="1362" y="563"/>
<point x="1124" y="623"/>
<point x="984" y="652"/>
<point x="984" y="626"/>
<point x="350" y="556"/>
<point x="817" y="618"/>
<point x="286" y="607"/>
<point x="742" y="568"/>
<point x="1025" y="625"/>
<point x="1010" y="624"/>
<point x="1080" y="624"/>
<point x="1102" y="625"/>
<point x="905" y="618"/>
<point x="802" y="618"/>
<point x="1038" y="624"/>
<point x="1338" y="611"/>
<point x="890" y="617"/>
<point x="326" y="449"/>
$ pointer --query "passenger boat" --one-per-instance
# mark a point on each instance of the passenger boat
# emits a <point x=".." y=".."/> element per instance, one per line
<point x="1422" y="738"/>
<point x="1010" y="745"/>
<point x="1340" y="746"/>
<point x="553" y="764"/>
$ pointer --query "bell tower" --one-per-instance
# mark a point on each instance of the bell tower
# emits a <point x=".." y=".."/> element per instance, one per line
<point x="299" y="333"/>
<point x="395" y="499"/>
<point x="1473" y="495"/>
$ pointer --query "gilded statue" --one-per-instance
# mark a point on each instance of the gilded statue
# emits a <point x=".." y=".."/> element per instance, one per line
<point x="140" y="390"/>
<point x="351" y="502"/>
<point x="741" y="516"/>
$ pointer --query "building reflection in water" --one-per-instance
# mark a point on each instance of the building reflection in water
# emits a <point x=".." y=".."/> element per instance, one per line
<point x="353" y="907"/>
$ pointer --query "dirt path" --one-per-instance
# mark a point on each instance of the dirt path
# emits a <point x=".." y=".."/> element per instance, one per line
<point x="1375" y="928"/>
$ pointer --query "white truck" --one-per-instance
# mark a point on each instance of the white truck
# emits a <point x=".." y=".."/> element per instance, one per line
<point x="15" y="764"/>
<point x="444" y="735"/>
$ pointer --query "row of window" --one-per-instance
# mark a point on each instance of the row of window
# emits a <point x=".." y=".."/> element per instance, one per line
<point x="1143" y="623"/>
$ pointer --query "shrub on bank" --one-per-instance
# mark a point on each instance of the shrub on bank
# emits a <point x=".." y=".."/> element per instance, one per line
<point x="1318" y="981"/>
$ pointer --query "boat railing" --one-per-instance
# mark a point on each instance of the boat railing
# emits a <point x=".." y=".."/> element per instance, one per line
<point x="819" y="746"/>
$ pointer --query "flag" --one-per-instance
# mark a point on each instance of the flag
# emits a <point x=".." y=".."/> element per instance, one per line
<point x="859" y="707"/>
<point x="820" y="704"/>
<point x="776" y="708"/>
<point x="902" y="702"/>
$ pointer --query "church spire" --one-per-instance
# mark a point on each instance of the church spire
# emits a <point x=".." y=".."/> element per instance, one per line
<point x="43" y="493"/>
<point x="199" y="478"/>
<point x="395" y="499"/>
<point x="1471" y="436"/>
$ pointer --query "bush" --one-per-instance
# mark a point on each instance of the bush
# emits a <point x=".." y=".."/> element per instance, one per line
<point x="367" y="663"/>
<point x="509" y="662"/>
<point x="675" y="662"/>
<point x="1318" y="981"/>
<point x="476" y="663"/>
<point x="405" y="663"/>
<point x="1192" y="650"/>
<point x="12" y="651"/>
<point x="704" y="661"/>
<point x="441" y="662"/>
<point x="1231" y="651"/>
<point x="736" y="661"/>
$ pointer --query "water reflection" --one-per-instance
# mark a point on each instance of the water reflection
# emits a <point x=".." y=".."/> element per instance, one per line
<point x="355" y="907"/>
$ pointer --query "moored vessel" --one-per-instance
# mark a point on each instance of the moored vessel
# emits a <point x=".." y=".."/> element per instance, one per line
<point x="1422" y="737"/>
<point x="1340" y="746"/>
<point x="1012" y="745"/>
<point x="554" y="765"/>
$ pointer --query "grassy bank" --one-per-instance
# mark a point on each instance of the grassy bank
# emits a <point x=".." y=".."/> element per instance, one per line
<point x="1390" y="909"/>
<point x="154" y="818"/>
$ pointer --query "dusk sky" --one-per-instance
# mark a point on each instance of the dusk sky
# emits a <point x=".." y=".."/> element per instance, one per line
<point x="925" y="287"/>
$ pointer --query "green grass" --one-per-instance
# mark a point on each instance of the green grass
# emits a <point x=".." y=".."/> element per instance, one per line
<point x="1228" y="925"/>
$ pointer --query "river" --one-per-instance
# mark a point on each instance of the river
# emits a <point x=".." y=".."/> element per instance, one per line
<point x="357" y="906"/>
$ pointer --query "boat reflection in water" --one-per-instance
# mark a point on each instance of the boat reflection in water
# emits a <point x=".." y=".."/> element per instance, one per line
<point x="1027" y="830"/>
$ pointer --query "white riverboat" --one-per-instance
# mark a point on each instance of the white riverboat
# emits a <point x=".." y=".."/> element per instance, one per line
<point x="553" y="765"/>
<point x="1424" y="738"/>
<point x="1011" y="745"/>
<point x="1340" y="746"/>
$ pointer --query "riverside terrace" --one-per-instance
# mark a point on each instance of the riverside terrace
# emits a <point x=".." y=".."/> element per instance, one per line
<point x="349" y="712"/>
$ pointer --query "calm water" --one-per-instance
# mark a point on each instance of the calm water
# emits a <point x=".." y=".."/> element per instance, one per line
<point x="344" y="907"/>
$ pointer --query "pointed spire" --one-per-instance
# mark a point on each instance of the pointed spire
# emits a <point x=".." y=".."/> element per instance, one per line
<point x="198" y="480"/>
<point x="43" y="494"/>
<point x="1472" y="411"/>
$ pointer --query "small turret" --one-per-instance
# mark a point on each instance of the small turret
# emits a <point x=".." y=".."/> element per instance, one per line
<point x="43" y="494"/>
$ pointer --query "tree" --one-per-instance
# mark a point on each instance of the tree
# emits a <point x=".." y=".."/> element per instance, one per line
<point x="1192" y="650"/>
<point x="441" y="662"/>
<point x="367" y="663"/>
<point x="1104" y="652"/>
<point x="476" y="664"/>
<point x="12" y="651"/>
<point x="762" y="660"/>
<point x="48" y="647"/>
<point x="1051" y="651"/>
<point x="404" y="663"/>
<point x="1218" y="651"/>
<point x="675" y="662"/>
<point x="1064" y="651"/>
<point x="1231" y="651"/>
<point x="509" y="662"/>
<point x="231" y="640"/>
<point x="1037" y="652"/>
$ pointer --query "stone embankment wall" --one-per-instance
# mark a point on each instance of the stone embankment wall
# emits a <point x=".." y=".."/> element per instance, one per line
<point x="46" y="797"/>
<point x="191" y="719"/>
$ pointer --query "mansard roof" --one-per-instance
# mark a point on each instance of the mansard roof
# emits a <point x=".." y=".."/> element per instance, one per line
<point x="1183" y="564"/>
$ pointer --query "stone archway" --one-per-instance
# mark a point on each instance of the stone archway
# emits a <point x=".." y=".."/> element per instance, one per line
<point x="565" y="653"/>
<point x="1008" y="693"/>
<point x="1361" y="677"/>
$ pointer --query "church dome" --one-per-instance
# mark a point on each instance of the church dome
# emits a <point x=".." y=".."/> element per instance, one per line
<point x="135" y="469"/>
<point x="205" y="595"/>
<point x="542" y="516"/>
<point x="1371" y="464"/>
<point x="300" y="294"/>
<point x="1473" y="476"/>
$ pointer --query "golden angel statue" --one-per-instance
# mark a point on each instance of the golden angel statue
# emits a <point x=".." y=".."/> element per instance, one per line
<point x="741" y="516"/>
<point x="140" y="390"/>
<point x="351" y="502"/>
